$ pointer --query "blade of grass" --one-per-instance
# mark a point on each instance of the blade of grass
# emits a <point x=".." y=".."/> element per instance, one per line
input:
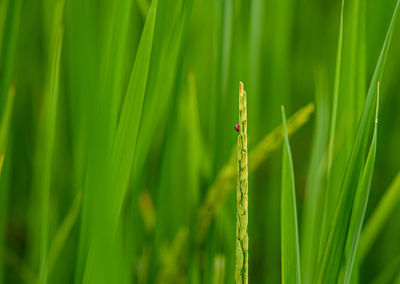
<point x="226" y="46"/>
<point x="195" y="149"/>
<point x="100" y="266"/>
<point x="255" y="37"/>
<point x="5" y="124"/>
<point x="290" y="252"/>
<point x="113" y="71"/>
<point x="335" y="245"/>
<point x="379" y="216"/>
<point x="4" y="213"/>
<point x="313" y="200"/>
<point x="169" y="38"/>
<point x="330" y="194"/>
<point x="4" y="186"/>
<point x="63" y="232"/>
<point x="155" y="106"/>
<point x="39" y="217"/>
<point x="131" y="113"/>
<point x="361" y="60"/>
<point x="8" y="47"/>
<point x="89" y="136"/>
<point x="48" y="139"/>
<point x="360" y="203"/>
<point x="350" y="62"/>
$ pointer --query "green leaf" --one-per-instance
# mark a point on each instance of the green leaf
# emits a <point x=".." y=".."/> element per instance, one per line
<point x="131" y="113"/>
<point x="4" y="174"/>
<point x="289" y="230"/>
<point x="48" y="133"/>
<point x="5" y="125"/>
<point x="104" y="259"/>
<point x="335" y="246"/>
<point x="330" y="195"/>
<point x="63" y="232"/>
<point x="172" y="35"/>
<point x="360" y="203"/>
<point x="8" y="47"/>
<point x="313" y="200"/>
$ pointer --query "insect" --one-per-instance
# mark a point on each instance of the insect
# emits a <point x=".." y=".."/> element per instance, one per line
<point x="237" y="127"/>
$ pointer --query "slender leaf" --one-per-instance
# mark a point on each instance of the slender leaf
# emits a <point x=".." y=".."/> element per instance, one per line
<point x="289" y="230"/>
<point x="313" y="200"/>
<point x="100" y="265"/>
<point x="330" y="193"/>
<point x="48" y="139"/>
<point x="4" y="183"/>
<point x="63" y="232"/>
<point x="360" y="203"/>
<point x="335" y="245"/>
<point x="8" y="47"/>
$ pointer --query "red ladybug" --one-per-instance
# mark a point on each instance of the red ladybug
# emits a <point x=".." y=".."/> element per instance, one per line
<point x="237" y="127"/>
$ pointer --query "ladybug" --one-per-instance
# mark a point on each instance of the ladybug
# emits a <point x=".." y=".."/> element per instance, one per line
<point x="237" y="127"/>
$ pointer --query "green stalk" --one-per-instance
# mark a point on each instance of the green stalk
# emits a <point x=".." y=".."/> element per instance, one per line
<point x="242" y="238"/>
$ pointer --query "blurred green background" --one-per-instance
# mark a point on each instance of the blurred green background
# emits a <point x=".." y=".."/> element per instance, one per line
<point x="130" y="213"/>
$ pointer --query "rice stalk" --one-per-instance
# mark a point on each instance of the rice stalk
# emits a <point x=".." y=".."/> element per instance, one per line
<point x="242" y="217"/>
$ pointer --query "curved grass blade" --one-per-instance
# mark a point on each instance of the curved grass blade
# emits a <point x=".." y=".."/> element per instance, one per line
<point x="131" y="113"/>
<point x="48" y="139"/>
<point x="313" y="200"/>
<point x="336" y="92"/>
<point x="360" y="203"/>
<point x="63" y="232"/>
<point x="155" y="105"/>
<point x="330" y="195"/>
<point x="5" y="125"/>
<point x="289" y="229"/>
<point x="105" y="255"/>
<point x="4" y="184"/>
<point x="114" y="57"/>
<point x="8" y="47"/>
<point x="335" y="245"/>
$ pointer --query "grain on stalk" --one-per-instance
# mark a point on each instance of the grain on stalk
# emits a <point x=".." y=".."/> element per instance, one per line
<point x="242" y="239"/>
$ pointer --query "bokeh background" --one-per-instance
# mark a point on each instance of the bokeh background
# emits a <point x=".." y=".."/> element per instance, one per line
<point x="280" y="49"/>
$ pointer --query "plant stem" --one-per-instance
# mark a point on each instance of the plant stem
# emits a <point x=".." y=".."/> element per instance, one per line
<point x="242" y="239"/>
